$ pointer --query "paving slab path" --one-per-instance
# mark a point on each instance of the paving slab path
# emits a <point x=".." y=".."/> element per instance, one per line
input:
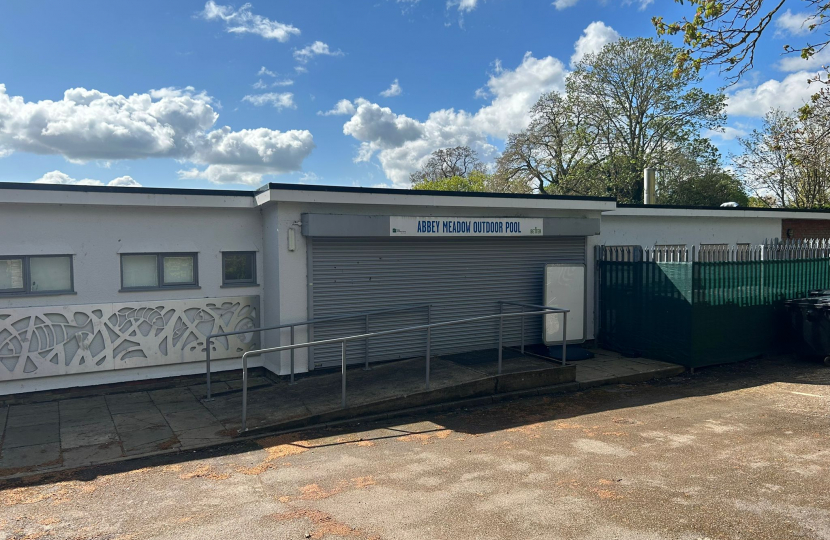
<point x="76" y="432"/>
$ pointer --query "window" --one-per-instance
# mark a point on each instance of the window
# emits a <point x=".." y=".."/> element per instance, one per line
<point x="36" y="274"/>
<point x="143" y="271"/>
<point x="238" y="268"/>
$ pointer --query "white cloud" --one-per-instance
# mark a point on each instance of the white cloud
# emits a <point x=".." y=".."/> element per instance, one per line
<point x="394" y="90"/>
<point x="243" y="21"/>
<point x="265" y="71"/>
<point x="641" y="4"/>
<point x="284" y="82"/>
<point x="371" y="122"/>
<point x="58" y="177"/>
<point x="259" y="85"/>
<point x="244" y="156"/>
<point x="318" y="48"/>
<point x="794" y="24"/>
<point x="342" y="107"/>
<point x="401" y="143"/>
<point x="463" y="5"/>
<point x="310" y="178"/>
<point x="167" y="123"/>
<point x="726" y="133"/>
<point x="279" y="101"/>
<point x="787" y="95"/>
<point x="123" y="181"/>
<point x="595" y="36"/>
<point x="794" y="62"/>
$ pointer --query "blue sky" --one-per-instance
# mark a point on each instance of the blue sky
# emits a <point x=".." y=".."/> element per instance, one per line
<point x="232" y="95"/>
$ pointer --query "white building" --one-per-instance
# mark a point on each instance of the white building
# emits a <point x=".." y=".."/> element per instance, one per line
<point x="101" y="284"/>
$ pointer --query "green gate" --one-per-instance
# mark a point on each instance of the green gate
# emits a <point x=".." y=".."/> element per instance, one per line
<point x="700" y="313"/>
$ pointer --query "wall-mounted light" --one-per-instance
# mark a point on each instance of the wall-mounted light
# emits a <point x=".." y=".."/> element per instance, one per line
<point x="292" y="239"/>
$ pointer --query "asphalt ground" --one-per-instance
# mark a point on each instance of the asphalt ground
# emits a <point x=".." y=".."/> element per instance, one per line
<point x="732" y="452"/>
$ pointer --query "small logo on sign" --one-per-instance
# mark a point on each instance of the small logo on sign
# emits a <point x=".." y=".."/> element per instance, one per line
<point x="535" y="230"/>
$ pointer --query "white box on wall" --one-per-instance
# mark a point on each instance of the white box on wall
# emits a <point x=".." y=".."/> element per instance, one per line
<point x="565" y="288"/>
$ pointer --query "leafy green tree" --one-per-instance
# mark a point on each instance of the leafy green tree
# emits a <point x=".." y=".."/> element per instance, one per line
<point x="624" y="110"/>
<point x="555" y="154"/>
<point x="461" y="161"/>
<point x="787" y="161"/>
<point x="726" y="33"/>
<point x="475" y="182"/>
<point x="696" y="177"/>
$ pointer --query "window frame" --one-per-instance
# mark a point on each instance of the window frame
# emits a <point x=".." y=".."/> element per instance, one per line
<point x="240" y="282"/>
<point x="160" y="255"/>
<point x="27" y="276"/>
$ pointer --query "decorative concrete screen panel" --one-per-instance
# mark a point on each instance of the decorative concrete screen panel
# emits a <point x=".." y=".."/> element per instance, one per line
<point x="64" y="340"/>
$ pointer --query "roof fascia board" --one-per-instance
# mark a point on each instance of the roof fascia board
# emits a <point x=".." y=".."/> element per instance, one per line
<point x="184" y="200"/>
<point x="714" y="212"/>
<point x="401" y="199"/>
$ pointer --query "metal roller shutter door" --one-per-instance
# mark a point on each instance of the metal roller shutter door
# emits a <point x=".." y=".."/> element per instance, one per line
<point x="462" y="277"/>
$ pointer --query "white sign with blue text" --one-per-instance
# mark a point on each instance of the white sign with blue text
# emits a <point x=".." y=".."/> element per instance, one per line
<point x="464" y="226"/>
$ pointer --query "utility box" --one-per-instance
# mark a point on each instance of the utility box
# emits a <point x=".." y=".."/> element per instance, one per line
<point x="565" y="288"/>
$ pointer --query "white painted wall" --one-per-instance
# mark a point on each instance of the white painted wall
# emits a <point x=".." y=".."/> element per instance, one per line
<point x="97" y="232"/>
<point x="97" y="235"/>
<point x="618" y="230"/>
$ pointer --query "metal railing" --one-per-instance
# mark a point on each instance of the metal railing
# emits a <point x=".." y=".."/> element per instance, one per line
<point x="292" y="326"/>
<point x="542" y="310"/>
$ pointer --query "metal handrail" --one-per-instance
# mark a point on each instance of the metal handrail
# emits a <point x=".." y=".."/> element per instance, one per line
<point x="503" y="303"/>
<point x="544" y="310"/>
<point x="365" y="314"/>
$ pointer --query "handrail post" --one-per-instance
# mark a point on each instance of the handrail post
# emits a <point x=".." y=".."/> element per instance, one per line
<point x="564" y="337"/>
<point x="501" y="328"/>
<point x="207" y="361"/>
<point x="244" y="393"/>
<point x="523" y="329"/>
<point x="366" y="360"/>
<point x="343" y="384"/>
<point x="292" y="355"/>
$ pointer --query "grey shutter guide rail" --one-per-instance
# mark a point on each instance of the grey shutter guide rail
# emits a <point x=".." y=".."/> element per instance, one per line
<point x="457" y="275"/>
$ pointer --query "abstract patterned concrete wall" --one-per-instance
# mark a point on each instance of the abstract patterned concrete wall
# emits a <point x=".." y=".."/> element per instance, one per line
<point x="64" y="340"/>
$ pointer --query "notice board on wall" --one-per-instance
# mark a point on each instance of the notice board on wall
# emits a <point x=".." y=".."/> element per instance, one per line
<point x="565" y="288"/>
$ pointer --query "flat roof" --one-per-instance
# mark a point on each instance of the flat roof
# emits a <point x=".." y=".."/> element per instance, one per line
<point x="717" y="211"/>
<point x="120" y="189"/>
<point x="723" y="208"/>
<point x="427" y="192"/>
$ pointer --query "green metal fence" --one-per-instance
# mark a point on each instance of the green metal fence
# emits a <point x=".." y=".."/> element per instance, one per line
<point x="700" y="313"/>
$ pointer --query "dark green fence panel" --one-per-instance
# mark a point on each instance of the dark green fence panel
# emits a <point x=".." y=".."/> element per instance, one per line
<point x="702" y="313"/>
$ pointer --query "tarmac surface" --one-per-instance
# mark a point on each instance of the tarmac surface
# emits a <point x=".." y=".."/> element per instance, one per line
<point x="732" y="452"/>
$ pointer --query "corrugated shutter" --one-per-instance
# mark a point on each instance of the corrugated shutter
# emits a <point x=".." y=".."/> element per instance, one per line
<point x="462" y="277"/>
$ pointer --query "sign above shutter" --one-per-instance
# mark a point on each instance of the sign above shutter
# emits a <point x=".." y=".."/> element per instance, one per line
<point x="457" y="226"/>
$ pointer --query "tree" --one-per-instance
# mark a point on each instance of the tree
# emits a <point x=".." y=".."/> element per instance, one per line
<point x="726" y="33"/>
<point x="556" y="150"/>
<point x="475" y="182"/>
<point x="460" y="161"/>
<point x="623" y="111"/>
<point x="696" y="177"/>
<point x="787" y="161"/>
<point x="459" y="169"/>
